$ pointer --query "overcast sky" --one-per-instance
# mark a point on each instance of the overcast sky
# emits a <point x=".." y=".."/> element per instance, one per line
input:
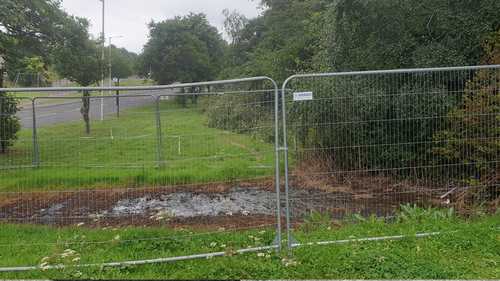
<point x="128" y="18"/>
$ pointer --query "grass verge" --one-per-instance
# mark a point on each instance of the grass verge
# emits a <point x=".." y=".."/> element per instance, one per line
<point x="123" y="152"/>
<point x="465" y="249"/>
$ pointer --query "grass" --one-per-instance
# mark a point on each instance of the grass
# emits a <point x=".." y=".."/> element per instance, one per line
<point x="465" y="249"/>
<point x="123" y="152"/>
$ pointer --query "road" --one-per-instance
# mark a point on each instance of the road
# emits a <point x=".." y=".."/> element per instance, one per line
<point x="69" y="110"/>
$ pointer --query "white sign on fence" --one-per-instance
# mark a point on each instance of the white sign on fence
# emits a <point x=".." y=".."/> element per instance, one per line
<point x="302" y="96"/>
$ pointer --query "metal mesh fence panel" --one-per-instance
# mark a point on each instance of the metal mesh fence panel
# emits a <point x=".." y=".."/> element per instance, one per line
<point x="187" y="158"/>
<point x="368" y="142"/>
<point x="218" y="146"/>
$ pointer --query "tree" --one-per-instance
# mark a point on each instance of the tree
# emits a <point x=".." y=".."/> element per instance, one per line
<point x="30" y="29"/>
<point x="184" y="49"/>
<point x="122" y="62"/>
<point x="9" y="122"/>
<point x="387" y="34"/>
<point x="470" y="140"/>
<point x="79" y="59"/>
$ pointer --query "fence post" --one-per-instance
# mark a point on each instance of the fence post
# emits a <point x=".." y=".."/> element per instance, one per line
<point x="158" y="134"/>
<point x="35" y="135"/>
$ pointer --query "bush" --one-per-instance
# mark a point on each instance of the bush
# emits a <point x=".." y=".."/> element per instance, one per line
<point x="9" y="122"/>
<point x="371" y="122"/>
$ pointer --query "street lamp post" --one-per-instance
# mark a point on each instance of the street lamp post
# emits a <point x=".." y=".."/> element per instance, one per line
<point x="110" y="60"/>
<point x="102" y="65"/>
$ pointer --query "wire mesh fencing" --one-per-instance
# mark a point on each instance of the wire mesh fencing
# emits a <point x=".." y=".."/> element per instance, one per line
<point x="196" y="156"/>
<point x="368" y="142"/>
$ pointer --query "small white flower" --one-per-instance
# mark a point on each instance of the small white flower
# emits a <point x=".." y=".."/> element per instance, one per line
<point x="43" y="264"/>
<point x="268" y="256"/>
<point x="45" y="259"/>
<point x="250" y="236"/>
<point x="80" y="224"/>
<point x="117" y="237"/>
<point x="381" y="259"/>
<point x="105" y="228"/>
<point x="245" y="213"/>
<point x="329" y="228"/>
<point x="222" y="229"/>
<point x="260" y="254"/>
<point x="229" y="213"/>
<point x="213" y="244"/>
<point x="115" y="229"/>
<point x="249" y="247"/>
<point x="262" y="232"/>
<point x="78" y="274"/>
<point x="256" y="239"/>
<point x="210" y="256"/>
<point x="223" y="246"/>
<point x="151" y="217"/>
<point x="46" y="267"/>
<point x="75" y="259"/>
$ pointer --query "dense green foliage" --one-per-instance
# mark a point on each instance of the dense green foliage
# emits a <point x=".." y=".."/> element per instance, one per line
<point x="372" y="123"/>
<point x="9" y="122"/>
<point x="184" y="49"/>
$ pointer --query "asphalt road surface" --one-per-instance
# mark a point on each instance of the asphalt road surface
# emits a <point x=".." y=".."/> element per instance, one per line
<point x="50" y="113"/>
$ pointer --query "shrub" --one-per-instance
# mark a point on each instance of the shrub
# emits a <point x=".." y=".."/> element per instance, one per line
<point x="9" y="122"/>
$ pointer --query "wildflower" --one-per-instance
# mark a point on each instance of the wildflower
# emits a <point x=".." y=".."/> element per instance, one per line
<point x="245" y="213"/>
<point x="190" y="233"/>
<point x="418" y="249"/>
<point x="249" y="247"/>
<point x="223" y="246"/>
<point x="117" y="237"/>
<point x="80" y="224"/>
<point x="210" y="256"/>
<point x="104" y="228"/>
<point x="328" y="228"/>
<point x="250" y="236"/>
<point x="256" y="239"/>
<point x="222" y="229"/>
<point x="151" y="217"/>
<point x="229" y="213"/>
<point x="75" y="237"/>
<point x="260" y="254"/>
<point x="351" y="236"/>
<point x="213" y="244"/>
<point x="381" y="259"/>
<point x="115" y="229"/>
<point x="262" y="232"/>
<point x="46" y="267"/>
<point x="75" y="259"/>
<point x="369" y="232"/>
<point x="78" y="274"/>
<point x="45" y="259"/>
<point x="268" y="256"/>
<point x="43" y="264"/>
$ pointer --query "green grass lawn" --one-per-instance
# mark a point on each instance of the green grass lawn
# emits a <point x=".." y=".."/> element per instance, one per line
<point x="465" y="249"/>
<point x="123" y="152"/>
